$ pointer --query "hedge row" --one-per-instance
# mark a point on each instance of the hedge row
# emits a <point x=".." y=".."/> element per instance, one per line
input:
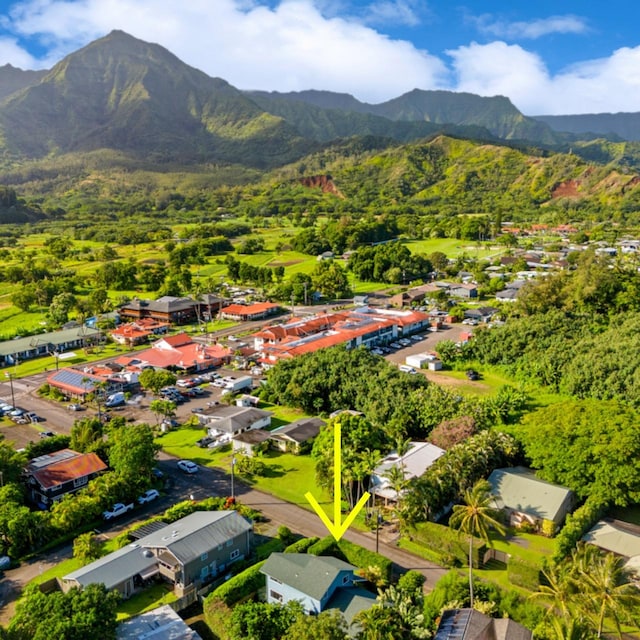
<point x="269" y="547"/>
<point x="352" y="553"/>
<point x="301" y="546"/>
<point x="523" y="574"/>
<point x="577" y="524"/>
<point x="448" y="545"/>
<point x="240" y="586"/>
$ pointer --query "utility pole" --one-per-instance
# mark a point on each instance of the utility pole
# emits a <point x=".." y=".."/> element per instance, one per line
<point x="10" y="377"/>
<point x="378" y="519"/>
<point x="233" y="466"/>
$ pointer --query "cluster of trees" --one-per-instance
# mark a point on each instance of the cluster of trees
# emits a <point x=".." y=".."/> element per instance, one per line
<point x="572" y="331"/>
<point x="391" y="263"/>
<point x="245" y="273"/>
<point x="590" y="446"/>
<point x="76" y="615"/>
<point x="402" y="405"/>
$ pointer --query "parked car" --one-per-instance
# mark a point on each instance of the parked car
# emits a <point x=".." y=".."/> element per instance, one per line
<point x="198" y="391"/>
<point x="204" y="442"/>
<point x="74" y="407"/>
<point x="118" y="509"/>
<point x="148" y="496"/>
<point x="31" y="416"/>
<point x="472" y="374"/>
<point x="156" y="473"/>
<point x="47" y="434"/>
<point x="187" y="466"/>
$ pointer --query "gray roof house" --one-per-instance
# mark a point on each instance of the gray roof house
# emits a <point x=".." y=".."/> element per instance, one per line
<point x="419" y="457"/>
<point x="187" y="552"/>
<point x="295" y="436"/>
<point x="317" y="582"/>
<point x="526" y="498"/>
<point x="469" y="624"/>
<point x="43" y="344"/>
<point x="233" y="420"/>
<point x="621" y="538"/>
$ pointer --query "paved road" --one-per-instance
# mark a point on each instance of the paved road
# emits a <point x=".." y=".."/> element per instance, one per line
<point x="214" y="482"/>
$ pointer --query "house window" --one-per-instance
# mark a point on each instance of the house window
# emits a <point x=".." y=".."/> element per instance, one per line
<point x="229" y="543"/>
<point x="345" y="579"/>
<point x="219" y="547"/>
<point x="234" y="554"/>
<point x="80" y="482"/>
<point x="204" y="556"/>
<point x="275" y="595"/>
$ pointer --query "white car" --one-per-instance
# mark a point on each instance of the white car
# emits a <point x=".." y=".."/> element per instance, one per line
<point x="187" y="466"/>
<point x="148" y="496"/>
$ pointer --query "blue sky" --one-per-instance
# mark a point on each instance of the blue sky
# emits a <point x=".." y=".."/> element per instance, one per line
<point x="547" y="57"/>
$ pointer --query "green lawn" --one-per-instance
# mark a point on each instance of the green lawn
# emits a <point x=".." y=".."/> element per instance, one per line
<point x="149" y="598"/>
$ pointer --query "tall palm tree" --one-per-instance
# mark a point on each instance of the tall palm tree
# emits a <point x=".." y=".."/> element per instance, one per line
<point x="605" y="589"/>
<point x="476" y="517"/>
<point x="558" y="590"/>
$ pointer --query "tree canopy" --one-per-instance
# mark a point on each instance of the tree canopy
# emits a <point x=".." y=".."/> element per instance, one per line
<point x="589" y="446"/>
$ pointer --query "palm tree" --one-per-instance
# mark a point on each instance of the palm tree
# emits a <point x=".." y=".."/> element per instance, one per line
<point x="557" y="589"/>
<point x="476" y="517"/>
<point x="605" y="589"/>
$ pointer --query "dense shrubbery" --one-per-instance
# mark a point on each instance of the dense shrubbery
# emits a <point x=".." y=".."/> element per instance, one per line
<point x="352" y="553"/>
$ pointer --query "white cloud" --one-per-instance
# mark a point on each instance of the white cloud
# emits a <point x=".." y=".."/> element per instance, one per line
<point x="595" y="86"/>
<point x="11" y="52"/>
<point x="292" y="46"/>
<point x="385" y="12"/>
<point x="532" y="29"/>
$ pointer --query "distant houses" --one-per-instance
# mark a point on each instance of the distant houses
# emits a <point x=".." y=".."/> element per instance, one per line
<point x="364" y="326"/>
<point x="44" y="344"/>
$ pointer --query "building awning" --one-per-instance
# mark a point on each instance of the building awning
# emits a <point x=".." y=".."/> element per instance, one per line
<point x="149" y="572"/>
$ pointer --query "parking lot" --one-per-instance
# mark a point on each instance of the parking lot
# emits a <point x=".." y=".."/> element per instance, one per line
<point x="57" y="418"/>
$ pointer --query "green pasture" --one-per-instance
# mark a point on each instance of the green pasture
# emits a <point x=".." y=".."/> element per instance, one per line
<point x="452" y="247"/>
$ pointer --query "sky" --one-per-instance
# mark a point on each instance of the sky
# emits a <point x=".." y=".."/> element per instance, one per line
<point x="548" y="57"/>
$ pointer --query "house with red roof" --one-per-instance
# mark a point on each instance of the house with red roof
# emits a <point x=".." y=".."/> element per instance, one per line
<point x="79" y="383"/>
<point x="135" y="333"/>
<point x="246" y="312"/>
<point x="178" y="352"/>
<point x="54" y="475"/>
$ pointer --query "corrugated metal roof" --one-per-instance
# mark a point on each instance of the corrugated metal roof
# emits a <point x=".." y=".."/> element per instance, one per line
<point x="199" y="532"/>
<point x="71" y="468"/>
<point x="186" y="539"/>
<point x="115" y="568"/>
<point x="520" y="489"/>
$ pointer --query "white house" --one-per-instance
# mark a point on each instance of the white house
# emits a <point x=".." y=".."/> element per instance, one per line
<point x="419" y="457"/>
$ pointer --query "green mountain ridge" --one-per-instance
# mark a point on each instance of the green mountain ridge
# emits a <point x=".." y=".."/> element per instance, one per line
<point x="121" y="93"/>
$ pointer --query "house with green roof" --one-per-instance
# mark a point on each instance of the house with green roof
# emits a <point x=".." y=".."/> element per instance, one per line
<point x="317" y="582"/>
<point x="525" y="498"/>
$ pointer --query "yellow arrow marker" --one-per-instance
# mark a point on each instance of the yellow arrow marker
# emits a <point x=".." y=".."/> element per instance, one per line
<point x="337" y="528"/>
